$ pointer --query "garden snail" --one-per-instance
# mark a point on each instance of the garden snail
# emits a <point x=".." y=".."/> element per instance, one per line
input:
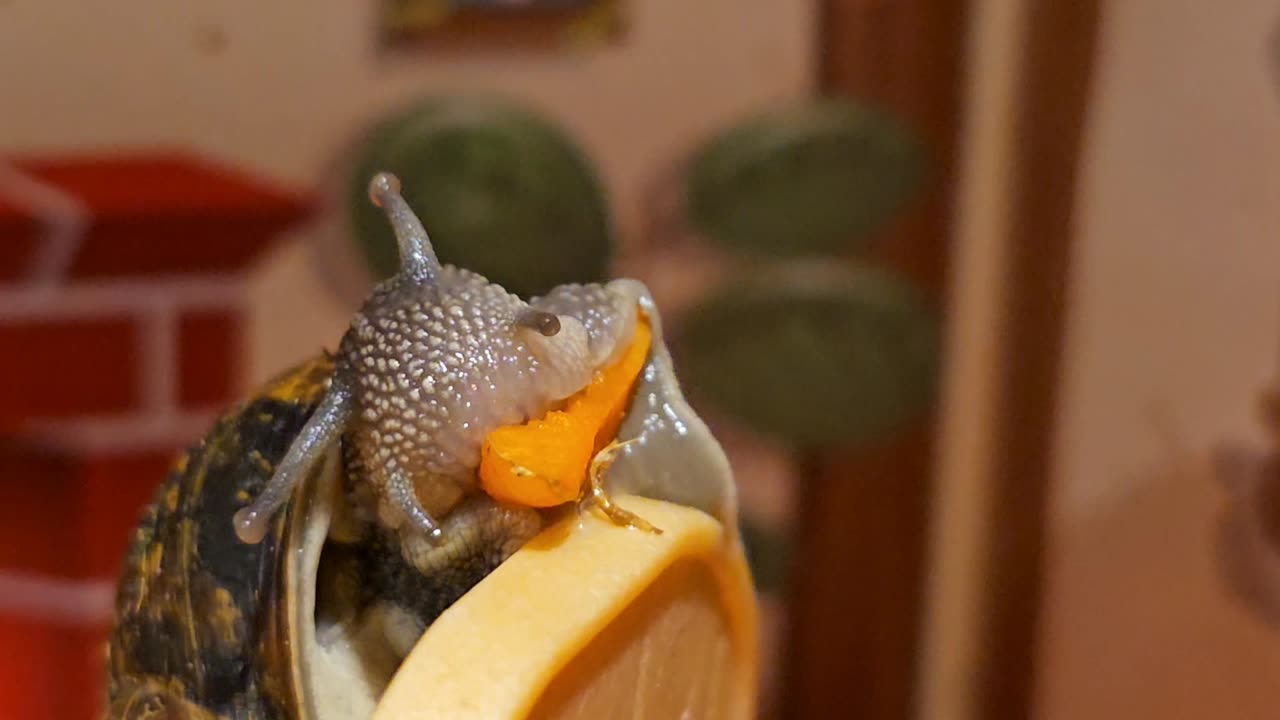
<point x="358" y="516"/>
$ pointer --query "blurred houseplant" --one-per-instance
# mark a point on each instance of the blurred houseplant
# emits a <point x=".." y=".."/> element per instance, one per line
<point x="503" y="192"/>
<point x="803" y="339"/>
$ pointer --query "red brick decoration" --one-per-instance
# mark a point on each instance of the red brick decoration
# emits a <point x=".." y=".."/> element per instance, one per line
<point x="120" y="338"/>
<point x="209" y="356"/>
<point x="90" y="362"/>
<point x="16" y="252"/>
<point x="162" y="214"/>
<point x="56" y="671"/>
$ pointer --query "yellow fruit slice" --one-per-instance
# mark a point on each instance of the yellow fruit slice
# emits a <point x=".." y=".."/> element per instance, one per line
<point x="589" y="620"/>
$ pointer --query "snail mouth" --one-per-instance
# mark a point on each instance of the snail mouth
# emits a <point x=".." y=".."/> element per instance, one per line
<point x="546" y="461"/>
<point x="661" y="448"/>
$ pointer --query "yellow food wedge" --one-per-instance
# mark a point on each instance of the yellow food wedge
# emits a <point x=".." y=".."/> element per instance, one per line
<point x="591" y="620"/>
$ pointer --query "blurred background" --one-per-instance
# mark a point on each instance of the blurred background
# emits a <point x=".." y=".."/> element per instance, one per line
<point x="982" y="298"/>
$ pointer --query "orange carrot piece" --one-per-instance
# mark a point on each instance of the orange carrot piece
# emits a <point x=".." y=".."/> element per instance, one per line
<point x="543" y="463"/>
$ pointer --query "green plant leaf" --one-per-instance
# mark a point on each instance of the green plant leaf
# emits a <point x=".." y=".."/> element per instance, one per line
<point x="812" y="179"/>
<point x="500" y="190"/>
<point x="813" y="356"/>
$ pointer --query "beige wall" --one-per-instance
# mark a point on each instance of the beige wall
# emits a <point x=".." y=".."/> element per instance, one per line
<point x="297" y="79"/>
<point x="1175" y="313"/>
<point x="1137" y="624"/>
<point x="1173" y="330"/>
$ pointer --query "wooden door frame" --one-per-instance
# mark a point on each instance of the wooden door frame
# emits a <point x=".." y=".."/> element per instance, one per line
<point x="858" y="587"/>
<point x="1059" y="54"/>
<point x="856" y="590"/>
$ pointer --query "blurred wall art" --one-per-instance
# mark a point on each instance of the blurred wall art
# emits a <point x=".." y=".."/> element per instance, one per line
<point x="499" y="24"/>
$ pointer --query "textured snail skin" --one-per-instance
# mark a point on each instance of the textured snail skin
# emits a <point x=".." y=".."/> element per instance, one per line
<point x="434" y="369"/>
<point x="436" y="359"/>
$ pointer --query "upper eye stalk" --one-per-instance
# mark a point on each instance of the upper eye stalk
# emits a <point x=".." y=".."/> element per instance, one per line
<point x="418" y="260"/>
<point x="545" y="323"/>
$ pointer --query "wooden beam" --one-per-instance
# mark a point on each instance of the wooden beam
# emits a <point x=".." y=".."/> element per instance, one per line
<point x="1054" y="93"/>
<point x="857" y="586"/>
<point x="1032" y="75"/>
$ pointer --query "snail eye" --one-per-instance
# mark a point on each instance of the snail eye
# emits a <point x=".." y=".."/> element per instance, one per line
<point x="547" y="324"/>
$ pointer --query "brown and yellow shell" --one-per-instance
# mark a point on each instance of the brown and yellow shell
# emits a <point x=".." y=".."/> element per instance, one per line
<point x="201" y="624"/>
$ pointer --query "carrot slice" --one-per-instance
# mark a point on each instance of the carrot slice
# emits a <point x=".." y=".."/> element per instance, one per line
<point x="543" y="463"/>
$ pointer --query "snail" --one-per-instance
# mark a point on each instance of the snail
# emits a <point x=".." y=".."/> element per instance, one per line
<point x="296" y="553"/>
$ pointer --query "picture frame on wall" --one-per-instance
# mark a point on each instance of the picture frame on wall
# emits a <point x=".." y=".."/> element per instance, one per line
<point x="499" y="24"/>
